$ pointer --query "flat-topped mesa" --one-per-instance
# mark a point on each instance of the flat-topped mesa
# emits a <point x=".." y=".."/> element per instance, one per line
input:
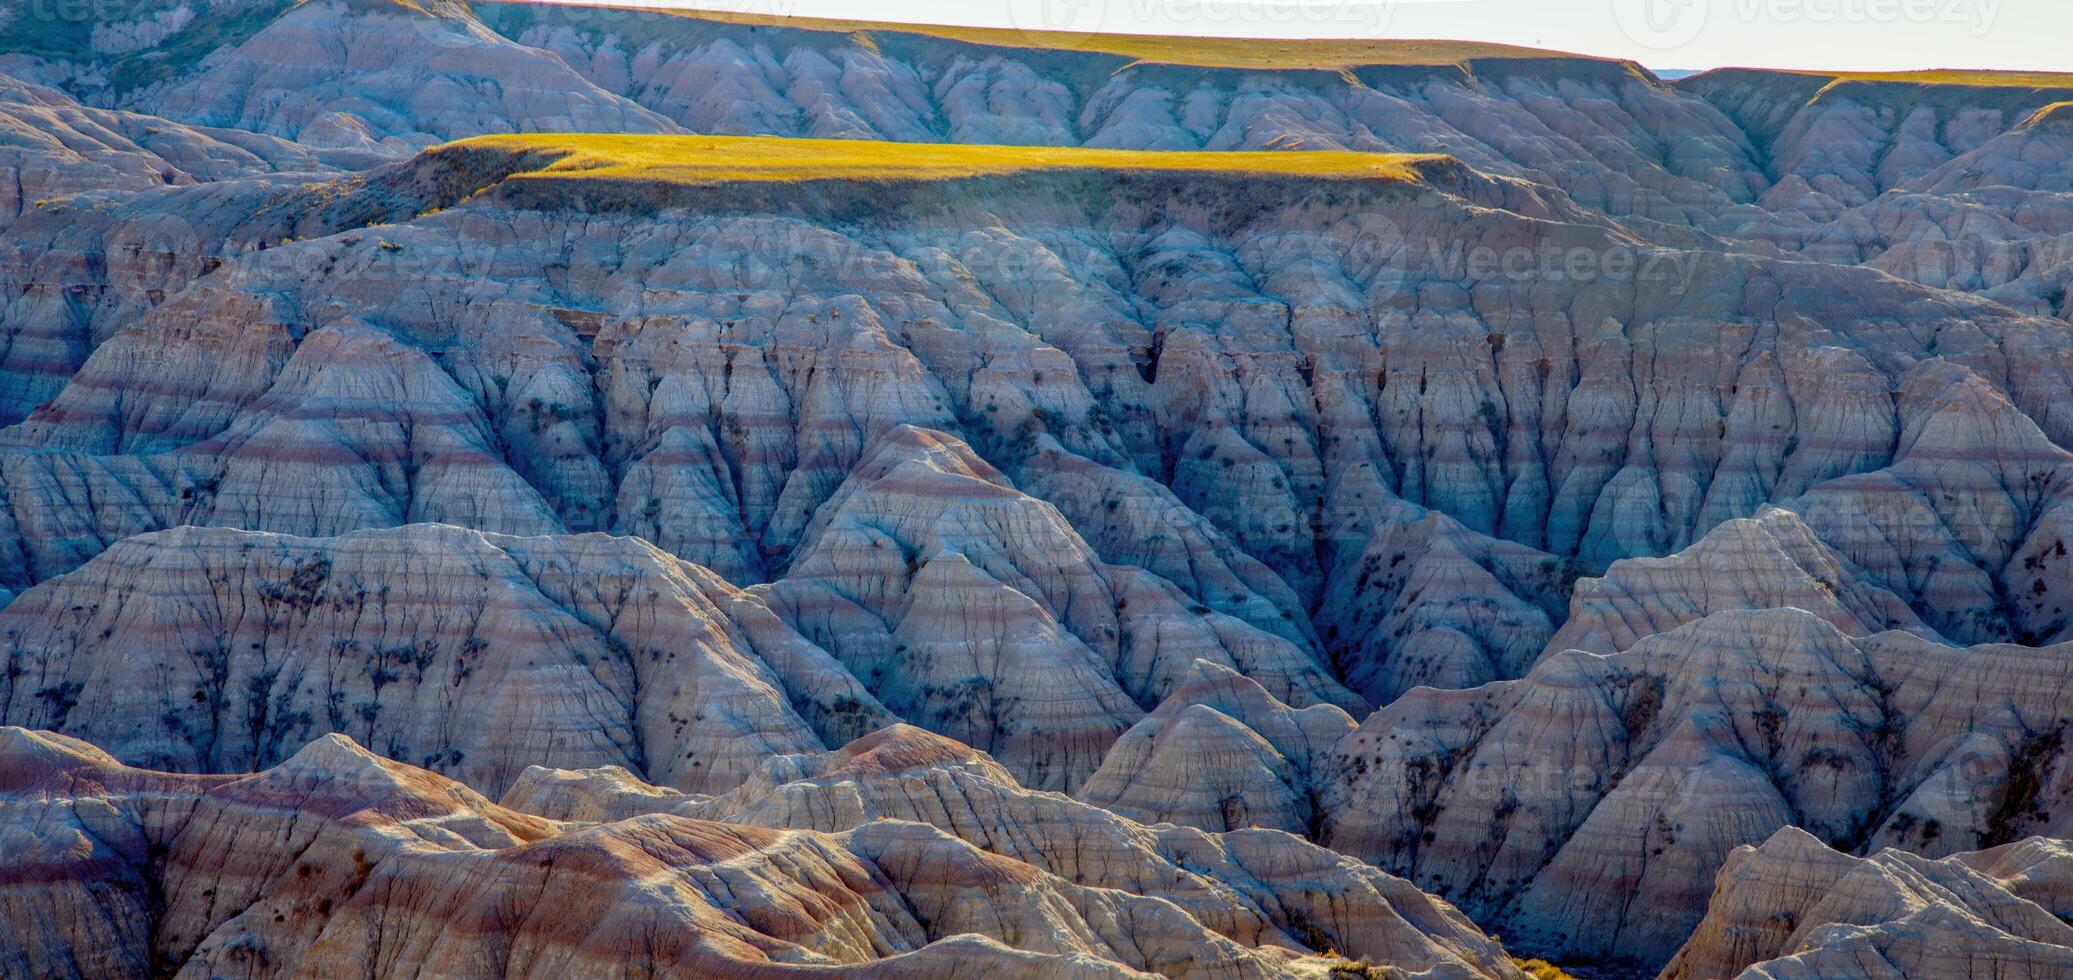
<point x="710" y="385"/>
<point x="322" y="73"/>
<point x="1838" y="140"/>
<point x="1644" y="150"/>
<point x="2005" y="172"/>
<point x="981" y="471"/>
<point x="602" y="171"/>
<point x="705" y="160"/>
<point x="1505" y="105"/>
<point x="1766" y="100"/>
<point x="1948" y="178"/>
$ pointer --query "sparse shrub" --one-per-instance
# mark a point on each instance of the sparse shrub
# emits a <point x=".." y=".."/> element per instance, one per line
<point x="1541" y="969"/>
<point x="1351" y="970"/>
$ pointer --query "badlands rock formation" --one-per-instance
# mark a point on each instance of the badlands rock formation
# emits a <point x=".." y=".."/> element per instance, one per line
<point x="1795" y="908"/>
<point x="1644" y="471"/>
<point x="1770" y="561"/>
<point x="1586" y="807"/>
<point x="1259" y="888"/>
<point x="56" y="148"/>
<point x="377" y="77"/>
<point x="605" y="650"/>
<point x="219" y="650"/>
<point x="1302" y="408"/>
<point x="338" y="859"/>
<point x="1220" y="753"/>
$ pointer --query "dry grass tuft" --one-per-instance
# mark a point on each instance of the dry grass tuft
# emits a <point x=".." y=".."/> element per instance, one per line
<point x="1541" y="969"/>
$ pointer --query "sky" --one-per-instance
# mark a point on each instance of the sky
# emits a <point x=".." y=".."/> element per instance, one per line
<point x="1840" y="35"/>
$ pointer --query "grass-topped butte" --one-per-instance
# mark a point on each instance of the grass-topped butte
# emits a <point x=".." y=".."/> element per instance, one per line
<point x="1977" y="78"/>
<point x="1327" y="54"/>
<point x="710" y="160"/>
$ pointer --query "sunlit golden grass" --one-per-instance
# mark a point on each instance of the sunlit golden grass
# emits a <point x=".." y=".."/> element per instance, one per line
<point x="2058" y="113"/>
<point x="1989" y="79"/>
<point x="708" y="160"/>
<point x="1204" y="52"/>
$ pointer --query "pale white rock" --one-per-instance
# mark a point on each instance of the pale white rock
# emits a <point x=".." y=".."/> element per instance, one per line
<point x="1219" y="753"/>
<point x="1418" y="599"/>
<point x="1116" y="475"/>
<point x="1557" y="805"/>
<point x="708" y="380"/>
<point x="1972" y="481"/>
<point x="1261" y="889"/>
<point x="108" y="213"/>
<point x="56" y="148"/>
<point x="214" y="650"/>
<point x="597" y="795"/>
<point x="1767" y="561"/>
<point x="1205" y="769"/>
<point x="1793" y="908"/>
<point x="385" y="77"/>
<point x="1132" y="519"/>
<point x="1847" y="139"/>
<point x="338" y="856"/>
<point x="1607" y="134"/>
<point x="980" y="613"/>
<point x="358" y="431"/>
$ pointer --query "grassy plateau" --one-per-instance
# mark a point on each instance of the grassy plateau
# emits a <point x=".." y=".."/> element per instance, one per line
<point x="1984" y="79"/>
<point x="711" y="160"/>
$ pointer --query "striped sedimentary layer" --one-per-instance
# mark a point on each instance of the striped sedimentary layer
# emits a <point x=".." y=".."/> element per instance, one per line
<point x="338" y="859"/>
